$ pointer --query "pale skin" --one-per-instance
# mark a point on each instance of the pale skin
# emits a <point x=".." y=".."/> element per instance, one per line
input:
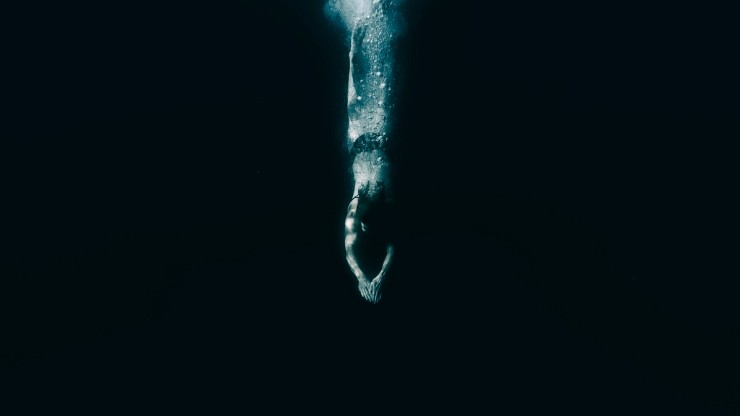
<point x="370" y="287"/>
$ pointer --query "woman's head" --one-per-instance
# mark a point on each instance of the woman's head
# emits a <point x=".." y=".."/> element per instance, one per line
<point x="374" y="209"/>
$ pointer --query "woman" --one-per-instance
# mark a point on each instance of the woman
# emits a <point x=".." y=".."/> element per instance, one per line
<point x="368" y="224"/>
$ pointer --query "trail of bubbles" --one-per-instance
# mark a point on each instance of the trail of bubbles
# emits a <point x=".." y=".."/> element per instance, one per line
<point x="373" y="26"/>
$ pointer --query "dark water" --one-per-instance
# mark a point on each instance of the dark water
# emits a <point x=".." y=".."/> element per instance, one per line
<point x="175" y="184"/>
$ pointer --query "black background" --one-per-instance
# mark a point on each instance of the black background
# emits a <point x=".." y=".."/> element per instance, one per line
<point x="174" y="185"/>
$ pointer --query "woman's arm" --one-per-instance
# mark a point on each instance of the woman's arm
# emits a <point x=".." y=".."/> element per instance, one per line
<point x="353" y="226"/>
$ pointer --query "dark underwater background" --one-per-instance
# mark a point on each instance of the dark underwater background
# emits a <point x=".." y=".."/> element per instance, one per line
<point x="174" y="184"/>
